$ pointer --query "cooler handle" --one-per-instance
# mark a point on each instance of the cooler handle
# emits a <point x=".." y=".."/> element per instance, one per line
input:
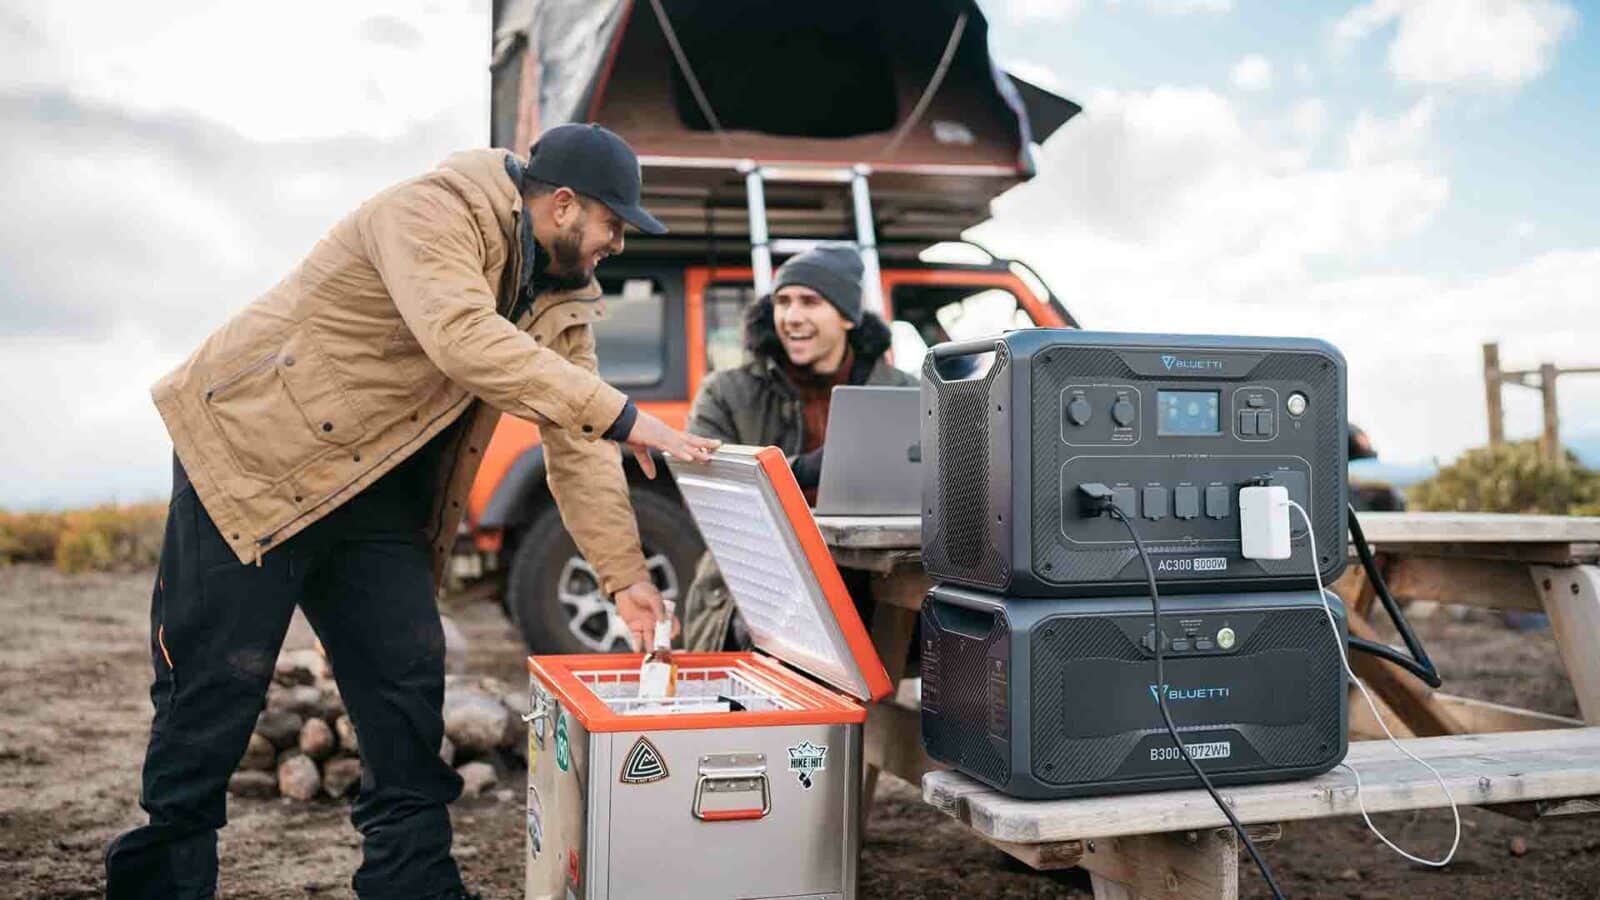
<point x="733" y="773"/>
<point x="733" y="785"/>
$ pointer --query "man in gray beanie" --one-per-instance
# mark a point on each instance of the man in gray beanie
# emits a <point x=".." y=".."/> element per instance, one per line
<point x="808" y="337"/>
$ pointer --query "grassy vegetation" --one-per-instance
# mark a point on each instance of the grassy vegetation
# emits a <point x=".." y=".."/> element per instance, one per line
<point x="1510" y="478"/>
<point x="113" y="537"/>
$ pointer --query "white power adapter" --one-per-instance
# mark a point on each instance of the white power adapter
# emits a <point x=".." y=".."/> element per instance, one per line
<point x="1264" y="522"/>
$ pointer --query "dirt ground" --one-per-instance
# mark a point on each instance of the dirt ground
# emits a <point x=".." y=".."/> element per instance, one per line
<point x="74" y="716"/>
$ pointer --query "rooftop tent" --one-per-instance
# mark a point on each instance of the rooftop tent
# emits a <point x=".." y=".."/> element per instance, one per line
<point x="906" y="87"/>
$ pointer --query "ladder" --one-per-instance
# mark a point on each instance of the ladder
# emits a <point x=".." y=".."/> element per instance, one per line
<point x="762" y="246"/>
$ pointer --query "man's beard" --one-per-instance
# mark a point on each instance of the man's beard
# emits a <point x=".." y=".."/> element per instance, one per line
<point x="566" y="270"/>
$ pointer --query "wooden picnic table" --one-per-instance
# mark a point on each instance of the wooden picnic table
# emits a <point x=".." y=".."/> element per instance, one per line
<point x="1548" y="564"/>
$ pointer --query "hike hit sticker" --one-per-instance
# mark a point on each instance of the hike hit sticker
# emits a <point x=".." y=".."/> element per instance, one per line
<point x="805" y="760"/>
<point x="643" y="764"/>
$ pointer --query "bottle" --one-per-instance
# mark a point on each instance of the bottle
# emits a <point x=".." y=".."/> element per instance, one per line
<point x="658" y="675"/>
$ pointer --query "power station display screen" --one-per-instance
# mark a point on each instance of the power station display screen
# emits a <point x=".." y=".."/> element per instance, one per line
<point x="1189" y="412"/>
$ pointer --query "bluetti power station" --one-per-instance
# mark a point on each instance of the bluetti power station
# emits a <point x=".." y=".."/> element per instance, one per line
<point x="1072" y="476"/>
<point x="1175" y="425"/>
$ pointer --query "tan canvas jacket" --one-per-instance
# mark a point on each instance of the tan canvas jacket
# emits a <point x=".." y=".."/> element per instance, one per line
<point x="390" y="329"/>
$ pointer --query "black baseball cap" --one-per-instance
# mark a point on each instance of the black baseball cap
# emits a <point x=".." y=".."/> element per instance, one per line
<point x="597" y="163"/>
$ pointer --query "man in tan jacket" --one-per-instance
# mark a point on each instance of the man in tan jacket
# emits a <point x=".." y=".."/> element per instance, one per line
<point x="325" y="440"/>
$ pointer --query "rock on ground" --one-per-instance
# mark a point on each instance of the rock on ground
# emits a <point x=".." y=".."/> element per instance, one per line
<point x="253" y="784"/>
<point x="298" y="777"/>
<point x="260" y="755"/>
<point x="475" y="721"/>
<point x="280" y="726"/>
<point x="341" y="776"/>
<point x="476" y="777"/>
<point x="317" y="740"/>
<point x="346" y="730"/>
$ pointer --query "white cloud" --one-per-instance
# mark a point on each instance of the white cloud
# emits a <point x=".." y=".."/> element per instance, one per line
<point x="1165" y="211"/>
<point x="1373" y="140"/>
<point x="1185" y="7"/>
<point x="1302" y="72"/>
<point x="1024" y="11"/>
<point x="1308" y="119"/>
<point x="1252" y="73"/>
<point x="1524" y="229"/>
<point x="1500" y="43"/>
<point x="1423" y="336"/>
<point x="290" y="70"/>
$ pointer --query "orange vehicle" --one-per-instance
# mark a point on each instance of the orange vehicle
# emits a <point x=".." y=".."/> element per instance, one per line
<point x="888" y="126"/>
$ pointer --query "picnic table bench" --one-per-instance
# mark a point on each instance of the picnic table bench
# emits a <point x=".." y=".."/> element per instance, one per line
<point x="1175" y="844"/>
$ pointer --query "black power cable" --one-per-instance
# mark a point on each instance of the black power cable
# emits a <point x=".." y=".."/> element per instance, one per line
<point x="1418" y="664"/>
<point x="1099" y="500"/>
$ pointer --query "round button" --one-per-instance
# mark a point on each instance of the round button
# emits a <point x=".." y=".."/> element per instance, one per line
<point x="1296" y="404"/>
<point x="1225" y="638"/>
<point x="1079" y="411"/>
<point x="1122" y="412"/>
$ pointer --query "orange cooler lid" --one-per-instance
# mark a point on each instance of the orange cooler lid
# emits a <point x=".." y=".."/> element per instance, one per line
<point x="757" y="525"/>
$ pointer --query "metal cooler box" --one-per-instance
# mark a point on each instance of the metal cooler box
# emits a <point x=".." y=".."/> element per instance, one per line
<point x="656" y="799"/>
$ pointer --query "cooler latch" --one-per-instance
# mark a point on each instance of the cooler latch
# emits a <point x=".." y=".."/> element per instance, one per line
<point x="732" y="773"/>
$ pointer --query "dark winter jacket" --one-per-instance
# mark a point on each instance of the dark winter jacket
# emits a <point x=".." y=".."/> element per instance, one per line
<point x="758" y="404"/>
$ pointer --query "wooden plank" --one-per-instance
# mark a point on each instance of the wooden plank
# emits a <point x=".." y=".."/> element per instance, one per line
<point x="904" y="589"/>
<point x="1044" y="857"/>
<point x="1357" y="590"/>
<point x="893" y="742"/>
<point x="877" y="561"/>
<point x="1491" y="584"/>
<point x="1106" y="889"/>
<point x="1478" y="769"/>
<point x="1572" y="598"/>
<point x="1556" y="553"/>
<point x="905" y="532"/>
<point x="1475" y="716"/>
<point x="875" y="532"/>
<point x="1446" y="527"/>
<point x="1412" y="700"/>
<point x="1531" y="810"/>
<point x="1481" y="716"/>
<point x="1193" y="864"/>
<point x="892" y="627"/>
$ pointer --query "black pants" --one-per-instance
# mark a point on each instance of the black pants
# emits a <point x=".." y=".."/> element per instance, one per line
<point x="216" y="627"/>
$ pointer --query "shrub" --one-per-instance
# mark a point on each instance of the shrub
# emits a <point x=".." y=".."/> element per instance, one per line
<point x="1510" y="478"/>
<point x="111" y="537"/>
<point x="29" y="537"/>
<point x="101" y="538"/>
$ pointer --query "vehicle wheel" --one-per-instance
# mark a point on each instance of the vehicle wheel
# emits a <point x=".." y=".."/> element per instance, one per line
<point x="554" y="595"/>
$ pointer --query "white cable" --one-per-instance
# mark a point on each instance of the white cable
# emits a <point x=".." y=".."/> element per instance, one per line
<point x="1343" y="658"/>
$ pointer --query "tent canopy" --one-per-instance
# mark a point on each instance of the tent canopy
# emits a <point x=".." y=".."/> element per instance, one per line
<point x="906" y="87"/>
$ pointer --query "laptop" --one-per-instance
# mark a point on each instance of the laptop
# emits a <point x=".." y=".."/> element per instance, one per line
<point x="872" y="461"/>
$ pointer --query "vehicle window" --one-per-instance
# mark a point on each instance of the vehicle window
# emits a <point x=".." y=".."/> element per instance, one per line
<point x="931" y="314"/>
<point x="724" y="313"/>
<point x="631" y="339"/>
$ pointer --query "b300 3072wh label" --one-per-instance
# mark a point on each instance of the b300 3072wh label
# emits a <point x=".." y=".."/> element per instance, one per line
<point x="1197" y="752"/>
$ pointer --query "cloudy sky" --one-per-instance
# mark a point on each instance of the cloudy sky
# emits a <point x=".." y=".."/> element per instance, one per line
<point x="1405" y="178"/>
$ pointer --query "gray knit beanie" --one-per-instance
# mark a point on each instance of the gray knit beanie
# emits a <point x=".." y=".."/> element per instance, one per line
<point x="832" y="270"/>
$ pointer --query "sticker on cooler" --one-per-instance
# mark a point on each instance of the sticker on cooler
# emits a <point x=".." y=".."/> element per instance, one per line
<point x="562" y="750"/>
<point x="535" y="822"/>
<point x="643" y="764"/>
<point x="805" y="760"/>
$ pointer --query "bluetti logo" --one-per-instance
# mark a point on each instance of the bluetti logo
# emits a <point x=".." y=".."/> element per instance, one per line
<point x="1171" y="362"/>
<point x="1175" y="695"/>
